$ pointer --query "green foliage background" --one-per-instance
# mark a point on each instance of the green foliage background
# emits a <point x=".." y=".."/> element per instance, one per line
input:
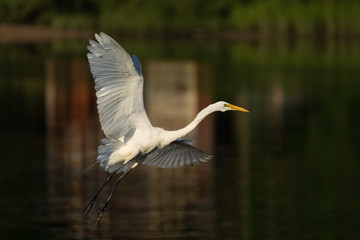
<point x="302" y="17"/>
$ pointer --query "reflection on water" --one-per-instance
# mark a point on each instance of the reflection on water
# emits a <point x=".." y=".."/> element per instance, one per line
<point x="287" y="170"/>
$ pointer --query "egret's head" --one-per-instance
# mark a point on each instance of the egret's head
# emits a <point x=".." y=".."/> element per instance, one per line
<point x="224" y="106"/>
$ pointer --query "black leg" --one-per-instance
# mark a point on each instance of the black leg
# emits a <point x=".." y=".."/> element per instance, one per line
<point x="92" y="201"/>
<point x="102" y="208"/>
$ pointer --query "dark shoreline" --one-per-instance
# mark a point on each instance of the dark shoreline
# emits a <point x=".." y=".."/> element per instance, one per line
<point x="11" y="33"/>
<point x="30" y="33"/>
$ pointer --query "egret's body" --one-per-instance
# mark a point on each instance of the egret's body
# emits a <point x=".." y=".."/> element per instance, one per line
<point x="130" y="137"/>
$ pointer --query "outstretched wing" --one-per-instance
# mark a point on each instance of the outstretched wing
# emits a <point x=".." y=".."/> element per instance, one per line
<point x="177" y="154"/>
<point x="119" y="87"/>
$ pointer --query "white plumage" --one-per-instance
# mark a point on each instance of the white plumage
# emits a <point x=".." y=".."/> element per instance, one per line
<point x="130" y="137"/>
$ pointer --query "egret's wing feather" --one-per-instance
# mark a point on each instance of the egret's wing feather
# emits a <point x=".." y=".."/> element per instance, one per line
<point x="119" y="86"/>
<point x="177" y="154"/>
<point x="137" y="64"/>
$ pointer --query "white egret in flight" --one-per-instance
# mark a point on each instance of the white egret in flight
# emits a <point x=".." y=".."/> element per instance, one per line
<point x="130" y="138"/>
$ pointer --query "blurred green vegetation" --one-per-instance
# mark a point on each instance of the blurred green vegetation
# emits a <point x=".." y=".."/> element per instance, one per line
<point x="268" y="17"/>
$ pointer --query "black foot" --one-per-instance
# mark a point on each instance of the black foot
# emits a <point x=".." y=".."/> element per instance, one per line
<point x="100" y="212"/>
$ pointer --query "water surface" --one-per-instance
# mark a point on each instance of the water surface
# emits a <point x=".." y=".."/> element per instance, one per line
<point x="287" y="170"/>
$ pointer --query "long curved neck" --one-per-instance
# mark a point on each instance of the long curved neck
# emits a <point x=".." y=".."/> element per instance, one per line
<point x="173" y="135"/>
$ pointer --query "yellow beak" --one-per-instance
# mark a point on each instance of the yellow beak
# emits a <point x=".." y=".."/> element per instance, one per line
<point x="236" y="108"/>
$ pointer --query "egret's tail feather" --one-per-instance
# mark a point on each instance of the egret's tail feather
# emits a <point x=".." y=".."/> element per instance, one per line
<point x="105" y="151"/>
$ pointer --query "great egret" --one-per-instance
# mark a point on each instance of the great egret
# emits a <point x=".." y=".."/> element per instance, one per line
<point x="130" y="138"/>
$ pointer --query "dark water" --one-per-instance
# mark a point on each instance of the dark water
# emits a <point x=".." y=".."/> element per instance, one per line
<point x="288" y="170"/>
